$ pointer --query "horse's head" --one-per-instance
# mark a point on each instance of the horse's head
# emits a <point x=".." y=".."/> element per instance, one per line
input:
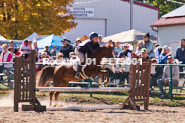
<point x="108" y="53"/>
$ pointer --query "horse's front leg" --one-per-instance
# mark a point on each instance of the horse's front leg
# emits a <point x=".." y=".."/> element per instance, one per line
<point x="104" y="72"/>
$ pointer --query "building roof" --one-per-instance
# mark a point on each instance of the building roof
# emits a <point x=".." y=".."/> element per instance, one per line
<point x="144" y="5"/>
<point x="175" y="17"/>
<point x="177" y="12"/>
<point x="169" y="22"/>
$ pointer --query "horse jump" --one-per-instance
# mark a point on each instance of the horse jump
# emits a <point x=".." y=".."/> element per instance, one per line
<point x="25" y="87"/>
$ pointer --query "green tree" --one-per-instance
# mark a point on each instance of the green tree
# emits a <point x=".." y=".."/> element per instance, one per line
<point x="165" y="6"/>
<point x="19" y="18"/>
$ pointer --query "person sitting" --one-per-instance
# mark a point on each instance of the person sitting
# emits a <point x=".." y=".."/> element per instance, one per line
<point x="101" y="43"/>
<point x="122" y="71"/>
<point x="10" y="49"/>
<point x="117" y="49"/>
<point x="53" y="51"/>
<point x="25" y="49"/>
<point x="91" y="45"/>
<point x="66" y="48"/>
<point x="126" y="51"/>
<point x="157" y="75"/>
<point x="139" y="47"/>
<point x="46" y="49"/>
<point x="166" y="76"/>
<point x="77" y="42"/>
<point x="43" y="55"/>
<point x="6" y="56"/>
<point x="149" y="45"/>
<point x="164" y="55"/>
<point x="157" y="51"/>
<point x="144" y="54"/>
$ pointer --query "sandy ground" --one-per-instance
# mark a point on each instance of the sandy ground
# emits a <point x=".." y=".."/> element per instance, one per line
<point x="155" y="114"/>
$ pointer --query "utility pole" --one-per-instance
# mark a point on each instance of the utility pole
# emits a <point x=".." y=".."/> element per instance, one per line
<point x="131" y="14"/>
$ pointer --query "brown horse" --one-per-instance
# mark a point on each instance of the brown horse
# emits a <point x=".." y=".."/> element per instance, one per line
<point x="62" y="74"/>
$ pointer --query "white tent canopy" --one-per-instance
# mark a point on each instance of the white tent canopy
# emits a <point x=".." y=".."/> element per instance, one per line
<point x="32" y="36"/>
<point x="130" y="36"/>
<point x="2" y="38"/>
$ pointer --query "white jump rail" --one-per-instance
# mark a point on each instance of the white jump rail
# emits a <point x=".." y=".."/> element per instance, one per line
<point x="79" y="89"/>
<point x="84" y="108"/>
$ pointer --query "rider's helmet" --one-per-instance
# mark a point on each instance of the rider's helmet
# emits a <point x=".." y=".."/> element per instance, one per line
<point x="93" y="34"/>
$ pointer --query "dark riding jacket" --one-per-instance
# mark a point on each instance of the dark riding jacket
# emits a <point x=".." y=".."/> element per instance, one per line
<point x="89" y="46"/>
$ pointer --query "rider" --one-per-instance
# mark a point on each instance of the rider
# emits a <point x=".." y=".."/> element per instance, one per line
<point x="91" y="45"/>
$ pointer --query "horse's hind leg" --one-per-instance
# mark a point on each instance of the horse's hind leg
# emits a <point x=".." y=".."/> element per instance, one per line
<point x="63" y="84"/>
<point x="51" y="96"/>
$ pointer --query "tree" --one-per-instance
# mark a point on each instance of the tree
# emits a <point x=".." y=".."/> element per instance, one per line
<point x="19" y="18"/>
<point x="165" y="6"/>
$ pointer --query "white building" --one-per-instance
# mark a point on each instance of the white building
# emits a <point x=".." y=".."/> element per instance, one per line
<point x="108" y="17"/>
<point x="171" y="28"/>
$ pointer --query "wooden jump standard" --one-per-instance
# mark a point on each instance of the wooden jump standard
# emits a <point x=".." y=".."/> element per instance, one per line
<point x="25" y="87"/>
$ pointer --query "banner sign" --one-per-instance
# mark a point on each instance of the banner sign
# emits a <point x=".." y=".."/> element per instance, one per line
<point x="87" y="12"/>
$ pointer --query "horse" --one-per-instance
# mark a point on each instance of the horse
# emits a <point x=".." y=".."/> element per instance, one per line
<point x="62" y="74"/>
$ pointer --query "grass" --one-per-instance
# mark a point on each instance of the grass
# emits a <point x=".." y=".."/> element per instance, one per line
<point x="113" y="99"/>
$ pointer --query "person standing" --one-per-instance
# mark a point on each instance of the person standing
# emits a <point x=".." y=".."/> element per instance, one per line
<point x="180" y="54"/>
<point x="149" y="45"/>
<point x="157" y="51"/>
<point x="101" y="43"/>
<point x="66" y="48"/>
<point x="77" y="42"/>
<point x="35" y="46"/>
<point x="30" y="44"/>
<point x="53" y="51"/>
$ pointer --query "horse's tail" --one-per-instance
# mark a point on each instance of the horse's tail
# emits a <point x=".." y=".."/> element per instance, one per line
<point x="44" y="76"/>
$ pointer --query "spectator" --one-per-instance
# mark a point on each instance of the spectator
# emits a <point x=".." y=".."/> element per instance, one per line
<point x="35" y="46"/>
<point x="59" y="59"/>
<point x="157" y="75"/>
<point x="40" y="66"/>
<point x="126" y="51"/>
<point x="144" y="54"/>
<point x="166" y="76"/>
<point x="157" y="51"/>
<point x="66" y="48"/>
<point x="53" y="51"/>
<point x="110" y="42"/>
<point x="139" y="47"/>
<point x="164" y="55"/>
<point x="25" y="49"/>
<point x="117" y="49"/>
<point x="19" y="52"/>
<point x="180" y="54"/>
<point x="6" y="56"/>
<point x="11" y="44"/>
<point x="1" y="50"/>
<point x="101" y="43"/>
<point x="46" y="49"/>
<point x="10" y="49"/>
<point x="122" y="71"/>
<point x="77" y="42"/>
<point x="148" y="44"/>
<point x="30" y="44"/>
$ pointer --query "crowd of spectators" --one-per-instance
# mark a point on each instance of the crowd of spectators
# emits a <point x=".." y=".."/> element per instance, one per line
<point x="145" y="49"/>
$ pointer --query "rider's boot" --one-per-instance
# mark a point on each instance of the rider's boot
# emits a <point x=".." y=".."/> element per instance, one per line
<point x="78" y="71"/>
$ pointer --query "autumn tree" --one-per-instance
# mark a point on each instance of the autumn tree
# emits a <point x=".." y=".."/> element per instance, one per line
<point x="20" y="18"/>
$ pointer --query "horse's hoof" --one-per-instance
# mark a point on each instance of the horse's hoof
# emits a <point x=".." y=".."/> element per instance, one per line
<point x="59" y="105"/>
<point x="55" y="105"/>
<point x="99" y="81"/>
<point x="105" y="84"/>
